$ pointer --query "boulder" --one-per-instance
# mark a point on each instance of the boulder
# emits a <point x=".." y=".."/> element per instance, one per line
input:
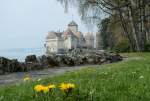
<point x="22" y="67"/>
<point x="14" y="66"/>
<point x="4" y="65"/>
<point x="33" y="66"/>
<point x="68" y="61"/>
<point x="9" y="66"/>
<point x="43" y="60"/>
<point x="64" y="60"/>
<point x="73" y="57"/>
<point x="115" y="58"/>
<point x="86" y="56"/>
<point x="48" y="61"/>
<point x="31" y="59"/>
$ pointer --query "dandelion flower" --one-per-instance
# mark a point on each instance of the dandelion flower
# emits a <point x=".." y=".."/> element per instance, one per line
<point x="51" y="86"/>
<point x="38" y="88"/>
<point x="67" y="87"/>
<point x="44" y="89"/>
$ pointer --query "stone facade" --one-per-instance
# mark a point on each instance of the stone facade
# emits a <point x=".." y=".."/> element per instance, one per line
<point x="58" y="42"/>
<point x="54" y="42"/>
<point x="89" y="40"/>
<point x="98" y="41"/>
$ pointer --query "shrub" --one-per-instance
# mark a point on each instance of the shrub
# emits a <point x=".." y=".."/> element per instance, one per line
<point x="147" y="47"/>
<point x="122" y="46"/>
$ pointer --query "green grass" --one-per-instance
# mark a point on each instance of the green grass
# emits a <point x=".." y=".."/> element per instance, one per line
<point x="128" y="80"/>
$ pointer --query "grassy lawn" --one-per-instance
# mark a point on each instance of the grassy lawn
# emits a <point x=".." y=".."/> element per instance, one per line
<point x="128" y="80"/>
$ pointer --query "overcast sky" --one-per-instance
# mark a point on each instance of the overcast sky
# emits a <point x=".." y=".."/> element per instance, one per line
<point x="25" y="23"/>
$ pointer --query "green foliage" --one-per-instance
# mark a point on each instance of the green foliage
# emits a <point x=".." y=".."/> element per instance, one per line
<point x="122" y="46"/>
<point x="104" y="33"/>
<point x="125" y="12"/>
<point x="147" y="47"/>
<point x="111" y="37"/>
<point x="124" y="81"/>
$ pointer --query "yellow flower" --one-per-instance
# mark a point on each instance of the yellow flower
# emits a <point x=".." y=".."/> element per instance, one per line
<point x="38" y="88"/>
<point x="67" y="87"/>
<point x="26" y="78"/>
<point x="51" y="86"/>
<point x="44" y="89"/>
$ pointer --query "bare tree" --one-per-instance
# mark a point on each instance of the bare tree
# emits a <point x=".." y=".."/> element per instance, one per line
<point x="134" y="16"/>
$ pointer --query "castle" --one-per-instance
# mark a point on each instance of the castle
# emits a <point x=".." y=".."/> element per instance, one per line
<point x="58" y="42"/>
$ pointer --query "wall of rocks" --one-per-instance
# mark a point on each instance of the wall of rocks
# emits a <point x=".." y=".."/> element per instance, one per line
<point x="75" y="57"/>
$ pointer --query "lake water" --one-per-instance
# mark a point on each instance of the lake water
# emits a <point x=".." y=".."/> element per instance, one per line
<point x="20" y="54"/>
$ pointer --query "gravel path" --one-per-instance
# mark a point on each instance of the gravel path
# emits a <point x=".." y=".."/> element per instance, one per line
<point x="18" y="77"/>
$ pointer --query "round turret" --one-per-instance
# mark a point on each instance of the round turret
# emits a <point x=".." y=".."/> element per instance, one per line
<point x="72" y="23"/>
<point x="73" y="27"/>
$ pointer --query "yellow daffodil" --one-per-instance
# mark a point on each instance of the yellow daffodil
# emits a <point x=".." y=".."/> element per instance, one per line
<point x="67" y="87"/>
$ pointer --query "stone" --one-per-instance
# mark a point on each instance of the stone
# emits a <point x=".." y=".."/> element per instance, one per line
<point x="10" y="66"/>
<point x="49" y="61"/>
<point x="115" y="58"/>
<point x="13" y="66"/>
<point x="4" y="65"/>
<point x="74" y="57"/>
<point x="31" y="58"/>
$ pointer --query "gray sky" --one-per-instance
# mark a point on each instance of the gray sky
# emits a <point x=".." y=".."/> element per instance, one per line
<point x="24" y="23"/>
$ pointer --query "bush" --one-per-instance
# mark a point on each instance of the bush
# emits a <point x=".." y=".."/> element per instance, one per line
<point x="147" y="47"/>
<point x="122" y="46"/>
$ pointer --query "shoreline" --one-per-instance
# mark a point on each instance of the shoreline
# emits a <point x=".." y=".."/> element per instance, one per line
<point x="76" y="57"/>
<point x="38" y="74"/>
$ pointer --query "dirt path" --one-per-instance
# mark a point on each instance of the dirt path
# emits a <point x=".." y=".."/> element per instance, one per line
<point x="18" y="77"/>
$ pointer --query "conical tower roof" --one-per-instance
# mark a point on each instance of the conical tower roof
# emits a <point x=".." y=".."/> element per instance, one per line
<point x="72" y="23"/>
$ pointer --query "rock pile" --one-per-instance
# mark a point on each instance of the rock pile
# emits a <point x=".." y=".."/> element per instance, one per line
<point x="74" y="57"/>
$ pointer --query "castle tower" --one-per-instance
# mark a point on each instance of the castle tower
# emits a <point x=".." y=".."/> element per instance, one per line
<point x="98" y="41"/>
<point x="89" y="40"/>
<point x="73" y="27"/>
